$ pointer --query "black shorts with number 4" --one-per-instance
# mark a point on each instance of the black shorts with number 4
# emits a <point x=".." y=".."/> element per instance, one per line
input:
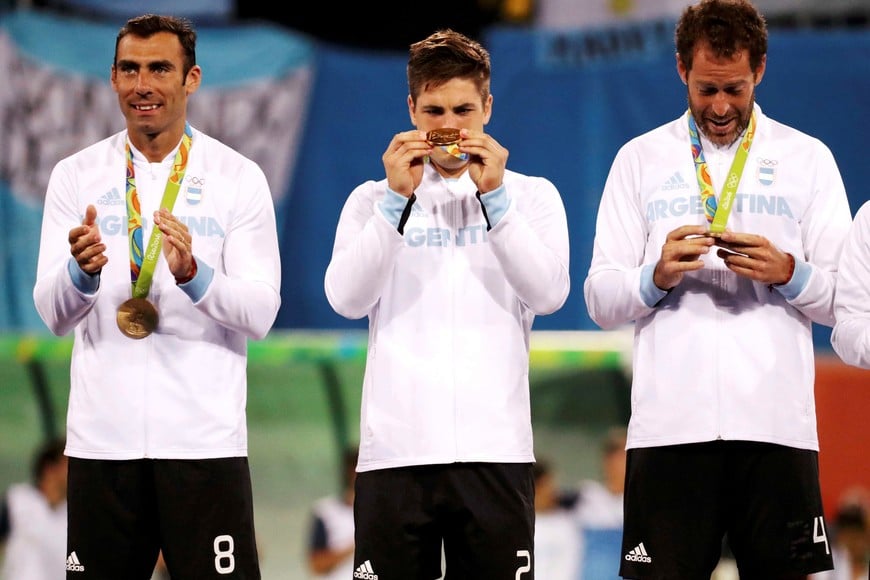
<point x="681" y="500"/>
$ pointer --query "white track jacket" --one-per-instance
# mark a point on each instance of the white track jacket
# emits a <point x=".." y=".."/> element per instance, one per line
<point x="720" y="356"/>
<point x="851" y="336"/>
<point x="179" y="393"/>
<point x="450" y="308"/>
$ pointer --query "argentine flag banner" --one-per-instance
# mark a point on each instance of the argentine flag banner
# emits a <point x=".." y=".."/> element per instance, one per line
<point x="55" y="99"/>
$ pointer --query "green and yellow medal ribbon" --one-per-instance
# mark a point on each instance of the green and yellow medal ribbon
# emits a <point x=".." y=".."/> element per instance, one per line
<point x="717" y="213"/>
<point x="143" y="262"/>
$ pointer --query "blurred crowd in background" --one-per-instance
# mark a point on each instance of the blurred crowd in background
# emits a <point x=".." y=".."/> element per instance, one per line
<point x="373" y="25"/>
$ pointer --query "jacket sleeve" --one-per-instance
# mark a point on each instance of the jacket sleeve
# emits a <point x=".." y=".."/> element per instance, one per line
<point x="851" y="336"/>
<point x="245" y="294"/>
<point x="364" y="252"/>
<point x="613" y="284"/>
<point x="59" y="303"/>
<point x="825" y="227"/>
<point x="531" y="244"/>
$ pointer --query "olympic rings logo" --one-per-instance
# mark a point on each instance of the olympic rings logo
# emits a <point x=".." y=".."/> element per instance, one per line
<point x="733" y="180"/>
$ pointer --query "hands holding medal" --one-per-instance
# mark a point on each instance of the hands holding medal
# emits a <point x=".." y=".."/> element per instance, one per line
<point x="755" y="257"/>
<point x="748" y="255"/>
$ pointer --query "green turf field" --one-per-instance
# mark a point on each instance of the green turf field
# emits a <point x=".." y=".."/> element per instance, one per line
<point x="303" y="404"/>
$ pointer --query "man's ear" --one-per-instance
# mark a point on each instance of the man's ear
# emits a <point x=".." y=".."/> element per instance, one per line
<point x="411" y="111"/>
<point x="682" y="70"/>
<point x="193" y="79"/>
<point x="759" y="72"/>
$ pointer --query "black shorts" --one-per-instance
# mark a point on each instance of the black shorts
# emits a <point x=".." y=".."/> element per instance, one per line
<point x="199" y="512"/>
<point x="681" y="500"/>
<point x="484" y="512"/>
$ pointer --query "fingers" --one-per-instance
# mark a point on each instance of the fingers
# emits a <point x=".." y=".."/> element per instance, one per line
<point x="681" y="253"/>
<point x="403" y="161"/>
<point x="173" y="230"/>
<point x="86" y="245"/>
<point x="488" y="159"/>
<point x="177" y="242"/>
<point x="90" y="216"/>
<point x="754" y="257"/>
<point x="407" y="146"/>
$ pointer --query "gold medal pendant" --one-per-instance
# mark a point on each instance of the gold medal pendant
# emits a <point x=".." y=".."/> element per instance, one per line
<point x="137" y="318"/>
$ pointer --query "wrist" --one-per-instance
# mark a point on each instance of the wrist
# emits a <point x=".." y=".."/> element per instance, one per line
<point x="791" y="265"/>
<point x="191" y="273"/>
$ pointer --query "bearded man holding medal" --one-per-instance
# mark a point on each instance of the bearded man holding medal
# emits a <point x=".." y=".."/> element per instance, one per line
<point x="161" y="308"/>
<point x="718" y="234"/>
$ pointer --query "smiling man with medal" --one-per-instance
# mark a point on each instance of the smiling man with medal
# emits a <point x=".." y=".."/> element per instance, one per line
<point x="718" y="235"/>
<point x="156" y="427"/>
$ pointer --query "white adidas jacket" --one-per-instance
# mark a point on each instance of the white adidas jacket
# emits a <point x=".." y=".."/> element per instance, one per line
<point x="720" y="356"/>
<point x="851" y="336"/>
<point x="179" y="393"/>
<point x="450" y="308"/>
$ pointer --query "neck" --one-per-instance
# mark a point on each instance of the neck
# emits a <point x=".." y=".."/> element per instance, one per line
<point x="155" y="146"/>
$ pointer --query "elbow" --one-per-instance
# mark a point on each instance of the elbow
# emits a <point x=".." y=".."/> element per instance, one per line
<point x="554" y="301"/>
<point x="347" y="310"/>
<point x="260" y="326"/>
<point x="55" y="325"/>
<point x="600" y="315"/>
<point x="344" y="304"/>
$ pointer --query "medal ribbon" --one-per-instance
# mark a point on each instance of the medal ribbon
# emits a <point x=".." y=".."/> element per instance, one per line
<point x="717" y="214"/>
<point x="142" y="263"/>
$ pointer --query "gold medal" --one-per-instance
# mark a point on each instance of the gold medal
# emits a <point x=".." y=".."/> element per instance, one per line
<point x="137" y="318"/>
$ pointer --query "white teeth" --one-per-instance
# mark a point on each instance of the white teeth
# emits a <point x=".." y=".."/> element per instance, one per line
<point x="145" y="107"/>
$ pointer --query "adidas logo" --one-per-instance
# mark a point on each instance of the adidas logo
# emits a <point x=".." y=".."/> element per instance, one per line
<point x="365" y="571"/>
<point x="73" y="564"/>
<point x="638" y="555"/>
<point x="111" y="198"/>
<point x="675" y="182"/>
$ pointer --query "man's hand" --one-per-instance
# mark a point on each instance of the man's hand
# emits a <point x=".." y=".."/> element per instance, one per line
<point x="177" y="243"/>
<point x="754" y="257"/>
<point x="681" y="253"/>
<point x="403" y="161"/>
<point x="86" y="244"/>
<point x="487" y="162"/>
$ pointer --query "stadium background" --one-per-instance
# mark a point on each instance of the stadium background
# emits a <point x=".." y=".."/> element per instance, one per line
<point x="316" y="114"/>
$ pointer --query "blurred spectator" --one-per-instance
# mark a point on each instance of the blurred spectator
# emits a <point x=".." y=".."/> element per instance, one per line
<point x="330" y="548"/>
<point x="201" y="11"/>
<point x="557" y="542"/>
<point x="850" y="537"/>
<point x="565" y="14"/>
<point x="598" y="511"/>
<point x="33" y="520"/>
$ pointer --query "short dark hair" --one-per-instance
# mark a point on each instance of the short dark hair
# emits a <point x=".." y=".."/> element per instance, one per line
<point x="446" y="55"/>
<point x="728" y="26"/>
<point x="149" y="24"/>
<point x="48" y="454"/>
